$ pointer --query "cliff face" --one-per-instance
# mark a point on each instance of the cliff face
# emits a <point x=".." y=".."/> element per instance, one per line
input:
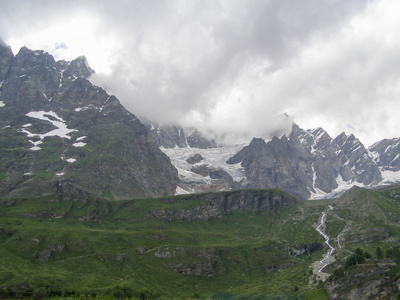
<point x="59" y="133"/>
<point x="219" y="204"/>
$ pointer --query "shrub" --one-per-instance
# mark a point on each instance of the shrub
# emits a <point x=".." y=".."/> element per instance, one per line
<point x="379" y="253"/>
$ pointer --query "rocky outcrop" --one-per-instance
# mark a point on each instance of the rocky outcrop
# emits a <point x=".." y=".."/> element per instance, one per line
<point x="204" y="262"/>
<point x="369" y="281"/>
<point x="196" y="158"/>
<point x="45" y="255"/>
<point x="304" y="249"/>
<point x="61" y="134"/>
<point x="358" y="235"/>
<point x="216" y="205"/>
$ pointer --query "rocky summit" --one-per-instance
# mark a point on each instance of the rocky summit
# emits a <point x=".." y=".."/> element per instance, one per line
<point x="310" y="164"/>
<point x="59" y="133"/>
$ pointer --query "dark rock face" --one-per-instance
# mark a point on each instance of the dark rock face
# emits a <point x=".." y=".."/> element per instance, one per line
<point x="167" y="136"/>
<point x="195" y="159"/>
<point x="306" y="163"/>
<point x="196" y="140"/>
<point x="304" y="249"/>
<point x="60" y="133"/>
<point x="219" y="204"/>
<point x="175" y="136"/>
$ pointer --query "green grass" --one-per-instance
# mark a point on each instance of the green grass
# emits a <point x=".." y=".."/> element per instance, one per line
<point x="319" y="294"/>
<point x="113" y="245"/>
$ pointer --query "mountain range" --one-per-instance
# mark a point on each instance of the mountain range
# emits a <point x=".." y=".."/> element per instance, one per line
<point x="59" y="133"/>
<point x="308" y="164"/>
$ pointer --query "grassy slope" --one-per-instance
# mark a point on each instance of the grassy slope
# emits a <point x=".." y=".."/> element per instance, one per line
<point x="247" y="250"/>
<point x="119" y="245"/>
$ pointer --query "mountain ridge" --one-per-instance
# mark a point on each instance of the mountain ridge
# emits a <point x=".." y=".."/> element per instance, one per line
<point x="306" y="163"/>
<point x="61" y="133"/>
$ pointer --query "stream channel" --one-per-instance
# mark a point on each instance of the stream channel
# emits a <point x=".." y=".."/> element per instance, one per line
<point x="319" y="266"/>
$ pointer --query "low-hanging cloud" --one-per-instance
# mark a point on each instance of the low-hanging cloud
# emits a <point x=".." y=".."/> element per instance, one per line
<point x="237" y="69"/>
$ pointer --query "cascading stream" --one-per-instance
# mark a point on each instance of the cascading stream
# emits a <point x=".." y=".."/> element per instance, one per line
<point x="326" y="237"/>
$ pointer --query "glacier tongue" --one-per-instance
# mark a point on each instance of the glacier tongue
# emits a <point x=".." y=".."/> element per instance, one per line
<point x="213" y="157"/>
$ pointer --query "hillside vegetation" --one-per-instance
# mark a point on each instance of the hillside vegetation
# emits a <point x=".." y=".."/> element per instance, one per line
<point x="243" y="244"/>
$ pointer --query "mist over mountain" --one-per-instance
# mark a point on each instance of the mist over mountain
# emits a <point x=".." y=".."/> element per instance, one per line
<point x="59" y="133"/>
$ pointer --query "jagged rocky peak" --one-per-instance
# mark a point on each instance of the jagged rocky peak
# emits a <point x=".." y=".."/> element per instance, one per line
<point x="27" y="58"/>
<point x="196" y="139"/>
<point x="79" y="67"/>
<point x="256" y="147"/>
<point x="60" y="133"/>
<point x="349" y="143"/>
<point x="314" y="140"/>
<point x="386" y="153"/>
<point x="171" y="136"/>
<point x="309" y="163"/>
<point x="357" y="164"/>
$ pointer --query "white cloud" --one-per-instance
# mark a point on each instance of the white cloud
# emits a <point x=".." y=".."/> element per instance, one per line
<point x="231" y="67"/>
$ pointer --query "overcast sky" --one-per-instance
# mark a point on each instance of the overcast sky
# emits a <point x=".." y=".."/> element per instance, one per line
<point x="238" y="68"/>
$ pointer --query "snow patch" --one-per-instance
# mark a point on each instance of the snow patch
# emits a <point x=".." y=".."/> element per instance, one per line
<point x="90" y="106"/>
<point x="2" y="104"/>
<point x="71" y="160"/>
<point x="389" y="177"/>
<point x="80" y="138"/>
<point x="342" y="187"/>
<point x="79" y="144"/>
<point x="396" y="157"/>
<point x="181" y="191"/>
<point x="61" y="131"/>
<point x="316" y="193"/>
